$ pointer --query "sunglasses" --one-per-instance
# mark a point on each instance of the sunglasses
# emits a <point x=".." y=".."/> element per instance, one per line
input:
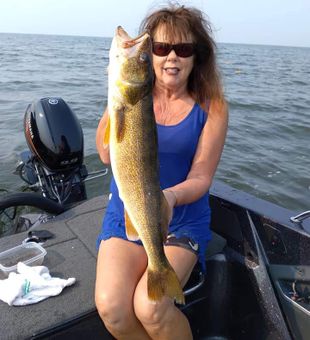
<point x="183" y="50"/>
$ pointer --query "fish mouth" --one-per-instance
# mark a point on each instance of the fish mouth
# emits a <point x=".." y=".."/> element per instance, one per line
<point x="126" y="42"/>
<point x="122" y="34"/>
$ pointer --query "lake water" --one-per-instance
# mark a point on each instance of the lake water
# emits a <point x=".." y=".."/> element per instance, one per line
<point x="267" y="88"/>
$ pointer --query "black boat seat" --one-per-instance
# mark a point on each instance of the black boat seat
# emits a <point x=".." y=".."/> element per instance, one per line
<point x="215" y="246"/>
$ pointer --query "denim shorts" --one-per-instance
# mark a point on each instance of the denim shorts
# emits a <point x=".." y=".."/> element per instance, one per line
<point x="181" y="237"/>
<point x="183" y="242"/>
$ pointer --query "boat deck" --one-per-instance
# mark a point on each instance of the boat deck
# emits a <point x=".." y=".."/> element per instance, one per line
<point x="250" y="236"/>
<point x="71" y="253"/>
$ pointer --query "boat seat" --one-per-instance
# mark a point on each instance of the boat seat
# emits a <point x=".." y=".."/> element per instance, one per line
<point x="207" y="300"/>
<point x="216" y="245"/>
<point x="197" y="279"/>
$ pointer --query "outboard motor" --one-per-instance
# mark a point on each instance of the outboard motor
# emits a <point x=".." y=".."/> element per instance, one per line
<point x="53" y="133"/>
<point x="54" y="164"/>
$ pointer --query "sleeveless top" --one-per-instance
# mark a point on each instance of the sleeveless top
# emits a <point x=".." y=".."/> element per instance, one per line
<point x="177" y="145"/>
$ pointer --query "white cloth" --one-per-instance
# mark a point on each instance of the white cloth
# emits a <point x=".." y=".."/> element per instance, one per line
<point x="30" y="285"/>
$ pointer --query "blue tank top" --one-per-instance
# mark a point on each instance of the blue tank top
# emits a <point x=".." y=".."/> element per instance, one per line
<point x="176" y="149"/>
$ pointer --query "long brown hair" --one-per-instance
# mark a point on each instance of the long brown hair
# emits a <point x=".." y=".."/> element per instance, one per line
<point x="181" y="22"/>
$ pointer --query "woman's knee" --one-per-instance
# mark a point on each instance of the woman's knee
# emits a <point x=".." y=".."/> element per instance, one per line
<point x="150" y="313"/>
<point x="114" y="312"/>
<point x="118" y="261"/>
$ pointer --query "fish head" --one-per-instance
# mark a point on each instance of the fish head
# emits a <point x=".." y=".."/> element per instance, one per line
<point x="130" y="67"/>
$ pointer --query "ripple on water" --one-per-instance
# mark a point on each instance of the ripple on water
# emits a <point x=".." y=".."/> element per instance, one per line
<point x="267" y="87"/>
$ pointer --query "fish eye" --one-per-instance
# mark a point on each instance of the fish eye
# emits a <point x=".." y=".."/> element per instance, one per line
<point x="143" y="57"/>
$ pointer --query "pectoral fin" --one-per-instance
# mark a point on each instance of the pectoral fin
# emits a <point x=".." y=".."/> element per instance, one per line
<point x="131" y="231"/>
<point x="106" y="138"/>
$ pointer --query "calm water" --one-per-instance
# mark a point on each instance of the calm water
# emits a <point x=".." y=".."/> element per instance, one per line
<point x="267" y="87"/>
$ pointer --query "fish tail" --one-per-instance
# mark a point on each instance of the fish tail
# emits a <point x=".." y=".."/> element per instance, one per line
<point x="164" y="282"/>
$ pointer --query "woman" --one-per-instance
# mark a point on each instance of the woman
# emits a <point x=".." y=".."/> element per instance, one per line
<point x="191" y="118"/>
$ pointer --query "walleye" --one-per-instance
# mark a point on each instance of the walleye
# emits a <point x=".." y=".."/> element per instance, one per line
<point x="132" y="136"/>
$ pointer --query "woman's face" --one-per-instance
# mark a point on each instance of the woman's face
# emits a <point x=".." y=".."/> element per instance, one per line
<point x="171" y="71"/>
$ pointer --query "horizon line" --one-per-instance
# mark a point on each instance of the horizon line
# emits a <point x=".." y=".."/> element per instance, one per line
<point x="106" y="37"/>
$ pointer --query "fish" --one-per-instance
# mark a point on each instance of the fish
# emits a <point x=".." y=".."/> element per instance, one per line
<point x="131" y="135"/>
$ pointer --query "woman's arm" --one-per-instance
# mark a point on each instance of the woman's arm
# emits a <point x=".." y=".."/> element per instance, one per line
<point x="206" y="159"/>
<point x="103" y="149"/>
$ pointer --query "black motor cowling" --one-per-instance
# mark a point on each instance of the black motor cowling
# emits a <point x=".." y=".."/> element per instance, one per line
<point x="54" y="134"/>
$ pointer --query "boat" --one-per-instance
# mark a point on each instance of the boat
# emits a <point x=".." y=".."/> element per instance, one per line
<point x="256" y="286"/>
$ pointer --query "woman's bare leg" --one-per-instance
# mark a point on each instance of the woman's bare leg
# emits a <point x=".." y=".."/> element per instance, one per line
<point x="120" y="266"/>
<point x="163" y="320"/>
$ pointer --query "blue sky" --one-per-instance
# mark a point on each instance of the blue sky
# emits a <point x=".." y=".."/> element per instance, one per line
<point x="276" y="22"/>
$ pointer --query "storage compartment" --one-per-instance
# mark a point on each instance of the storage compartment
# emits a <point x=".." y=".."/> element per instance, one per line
<point x="31" y="254"/>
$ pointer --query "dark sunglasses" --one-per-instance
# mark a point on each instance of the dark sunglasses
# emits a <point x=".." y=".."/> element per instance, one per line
<point x="183" y="50"/>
